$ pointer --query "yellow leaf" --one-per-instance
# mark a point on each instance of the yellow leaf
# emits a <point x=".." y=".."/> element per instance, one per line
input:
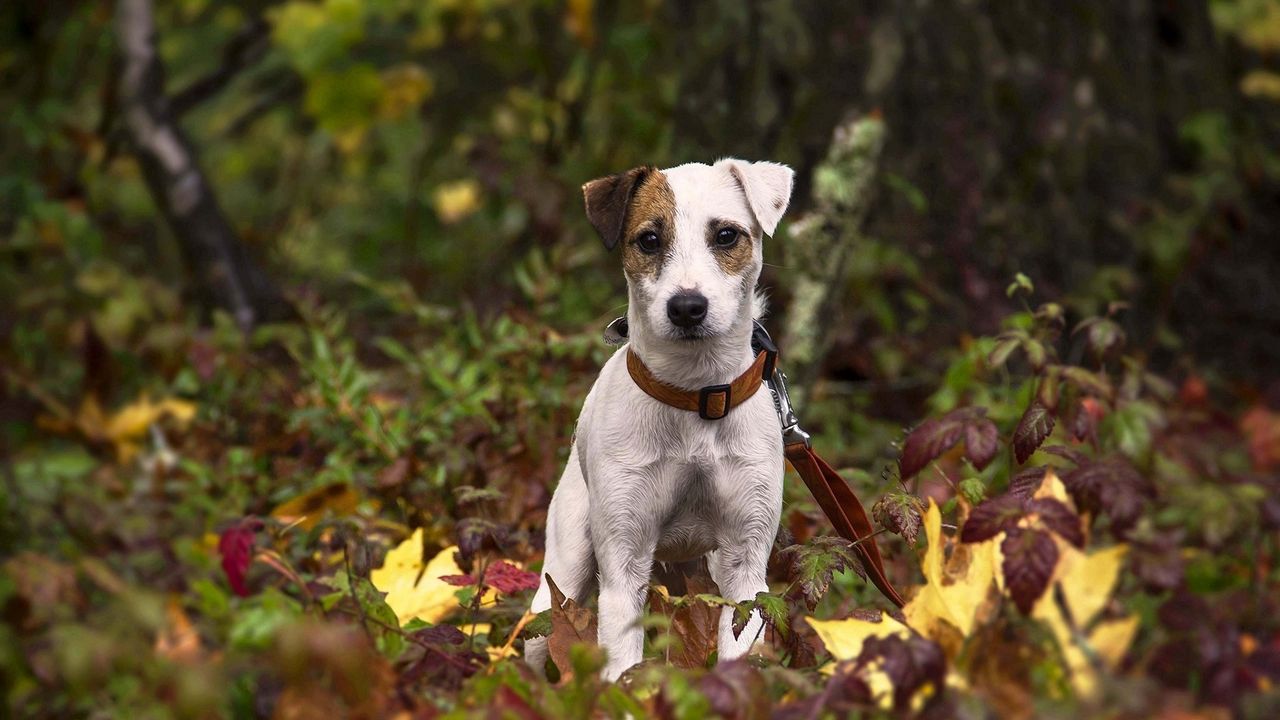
<point x="178" y="640"/>
<point x="844" y="638"/>
<point x="1261" y="83"/>
<point x="404" y="88"/>
<point x="414" y="591"/>
<point x="501" y="652"/>
<point x="580" y="21"/>
<point x="456" y="200"/>
<point x="1051" y="488"/>
<point x="309" y="508"/>
<point x="132" y="421"/>
<point x="125" y="428"/>
<point x="1111" y="639"/>
<point x="938" y="604"/>
<point x="1087" y="582"/>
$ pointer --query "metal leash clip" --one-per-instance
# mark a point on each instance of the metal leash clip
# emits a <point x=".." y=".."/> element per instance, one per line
<point x="777" y="382"/>
<point x="791" y="431"/>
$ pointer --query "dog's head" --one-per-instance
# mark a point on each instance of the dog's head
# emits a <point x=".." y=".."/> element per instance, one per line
<point x="691" y="239"/>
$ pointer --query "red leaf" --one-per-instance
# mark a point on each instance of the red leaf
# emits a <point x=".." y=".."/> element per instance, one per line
<point x="459" y="580"/>
<point x="899" y="513"/>
<point x="1026" y="482"/>
<point x="1036" y="424"/>
<point x="1059" y="518"/>
<point x="507" y="578"/>
<point x="909" y="663"/>
<point x="236" y="548"/>
<point x="981" y="441"/>
<point x="735" y="689"/>
<point x="507" y="703"/>
<point x="1029" y="559"/>
<point x="993" y="517"/>
<point x="1083" y="425"/>
<point x="933" y="438"/>
<point x="1112" y="486"/>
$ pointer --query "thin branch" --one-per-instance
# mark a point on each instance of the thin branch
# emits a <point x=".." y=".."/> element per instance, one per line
<point x="247" y="47"/>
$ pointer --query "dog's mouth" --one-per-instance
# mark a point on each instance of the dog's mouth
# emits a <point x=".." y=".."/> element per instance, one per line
<point x="698" y="332"/>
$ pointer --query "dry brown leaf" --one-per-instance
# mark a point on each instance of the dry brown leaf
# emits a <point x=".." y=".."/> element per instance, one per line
<point x="178" y="640"/>
<point x="570" y="624"/>
<point x="694" y="627"/>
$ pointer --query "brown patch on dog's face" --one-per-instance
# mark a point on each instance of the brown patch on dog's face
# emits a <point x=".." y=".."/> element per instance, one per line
<point x="733" y="257"/>
<point x="652" y="211"/>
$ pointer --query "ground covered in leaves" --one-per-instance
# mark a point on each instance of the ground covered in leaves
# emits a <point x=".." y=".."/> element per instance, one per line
<point x="345" y="518"/>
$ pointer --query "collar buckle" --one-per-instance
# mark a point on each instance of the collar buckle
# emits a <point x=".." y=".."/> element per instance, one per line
<point x="710" y="405"/>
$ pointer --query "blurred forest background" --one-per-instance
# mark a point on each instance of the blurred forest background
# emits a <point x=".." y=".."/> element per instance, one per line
<point x="283" y="282"/>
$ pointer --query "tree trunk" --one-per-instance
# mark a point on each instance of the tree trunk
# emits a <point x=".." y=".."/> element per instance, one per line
<point x="223" y="272"/>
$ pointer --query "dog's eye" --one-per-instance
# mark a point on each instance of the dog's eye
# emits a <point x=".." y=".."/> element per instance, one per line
<point x="726" y="237"/>
<point x="649" y="243"/>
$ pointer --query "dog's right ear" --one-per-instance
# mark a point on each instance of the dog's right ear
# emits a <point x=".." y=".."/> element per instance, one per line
<point x="607" y="200"/>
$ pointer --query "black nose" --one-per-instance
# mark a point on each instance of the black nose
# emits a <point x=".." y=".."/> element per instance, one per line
<point x="687" y="309"/>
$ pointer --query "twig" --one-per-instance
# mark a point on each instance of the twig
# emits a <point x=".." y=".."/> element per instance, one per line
<point x="447" y="657"/>
<point x="944" y="477"/>
<point x="275" y="561"/>
<point x="525" y="619"/>
<point x="351" y="587"/>
<point x="50" y="403"/>
<point x="872" y="536"/>
<point x="245" y="48"/>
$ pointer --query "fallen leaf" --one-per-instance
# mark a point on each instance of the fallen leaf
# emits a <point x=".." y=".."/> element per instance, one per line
<point x="570" y="624"/>
<point x="124" y="429"/>
<point x="695" y="625"/>
<point x="415" y="590"/>
<point x="178" y="639"/>
<point x="309" y="508"/>
<point x="41" y="587"/>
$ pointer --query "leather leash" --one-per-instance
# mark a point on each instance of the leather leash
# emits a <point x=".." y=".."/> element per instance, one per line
<point x="714" y="402"/>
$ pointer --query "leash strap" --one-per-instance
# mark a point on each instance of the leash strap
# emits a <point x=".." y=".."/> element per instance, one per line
<point x="837" y="501"/>
<point x="844" y="510"/>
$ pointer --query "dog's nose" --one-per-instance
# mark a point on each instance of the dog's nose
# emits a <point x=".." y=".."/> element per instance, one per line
<point x="687" y="309"/>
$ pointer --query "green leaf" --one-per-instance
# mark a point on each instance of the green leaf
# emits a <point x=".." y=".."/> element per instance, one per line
<point x="973" y="490"/>
<point x="1021" y="283"/>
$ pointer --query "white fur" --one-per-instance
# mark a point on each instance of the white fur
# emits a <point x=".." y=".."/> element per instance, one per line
<point x="645" y="480"/>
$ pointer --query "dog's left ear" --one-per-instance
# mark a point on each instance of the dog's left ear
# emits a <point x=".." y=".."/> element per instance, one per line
<point x="767" y="186"/>
<point x="607" y="200"/>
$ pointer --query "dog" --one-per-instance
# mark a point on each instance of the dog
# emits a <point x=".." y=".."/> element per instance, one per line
<point x="649" y="482"/>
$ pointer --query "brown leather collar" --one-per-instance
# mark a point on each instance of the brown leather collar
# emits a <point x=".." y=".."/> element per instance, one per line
<point x="711" y="402"/>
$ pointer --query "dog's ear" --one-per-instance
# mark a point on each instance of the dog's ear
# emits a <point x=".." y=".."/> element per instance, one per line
<point x="767" y="186"/>
<point x="607" y="200"/>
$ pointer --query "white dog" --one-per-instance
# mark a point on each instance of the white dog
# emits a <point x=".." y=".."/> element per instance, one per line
<point x="648" y="481"/>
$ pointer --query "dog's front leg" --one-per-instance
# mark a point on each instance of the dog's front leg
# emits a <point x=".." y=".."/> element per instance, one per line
<point x="626" y="532"/>
<point x="749" y="524"/>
